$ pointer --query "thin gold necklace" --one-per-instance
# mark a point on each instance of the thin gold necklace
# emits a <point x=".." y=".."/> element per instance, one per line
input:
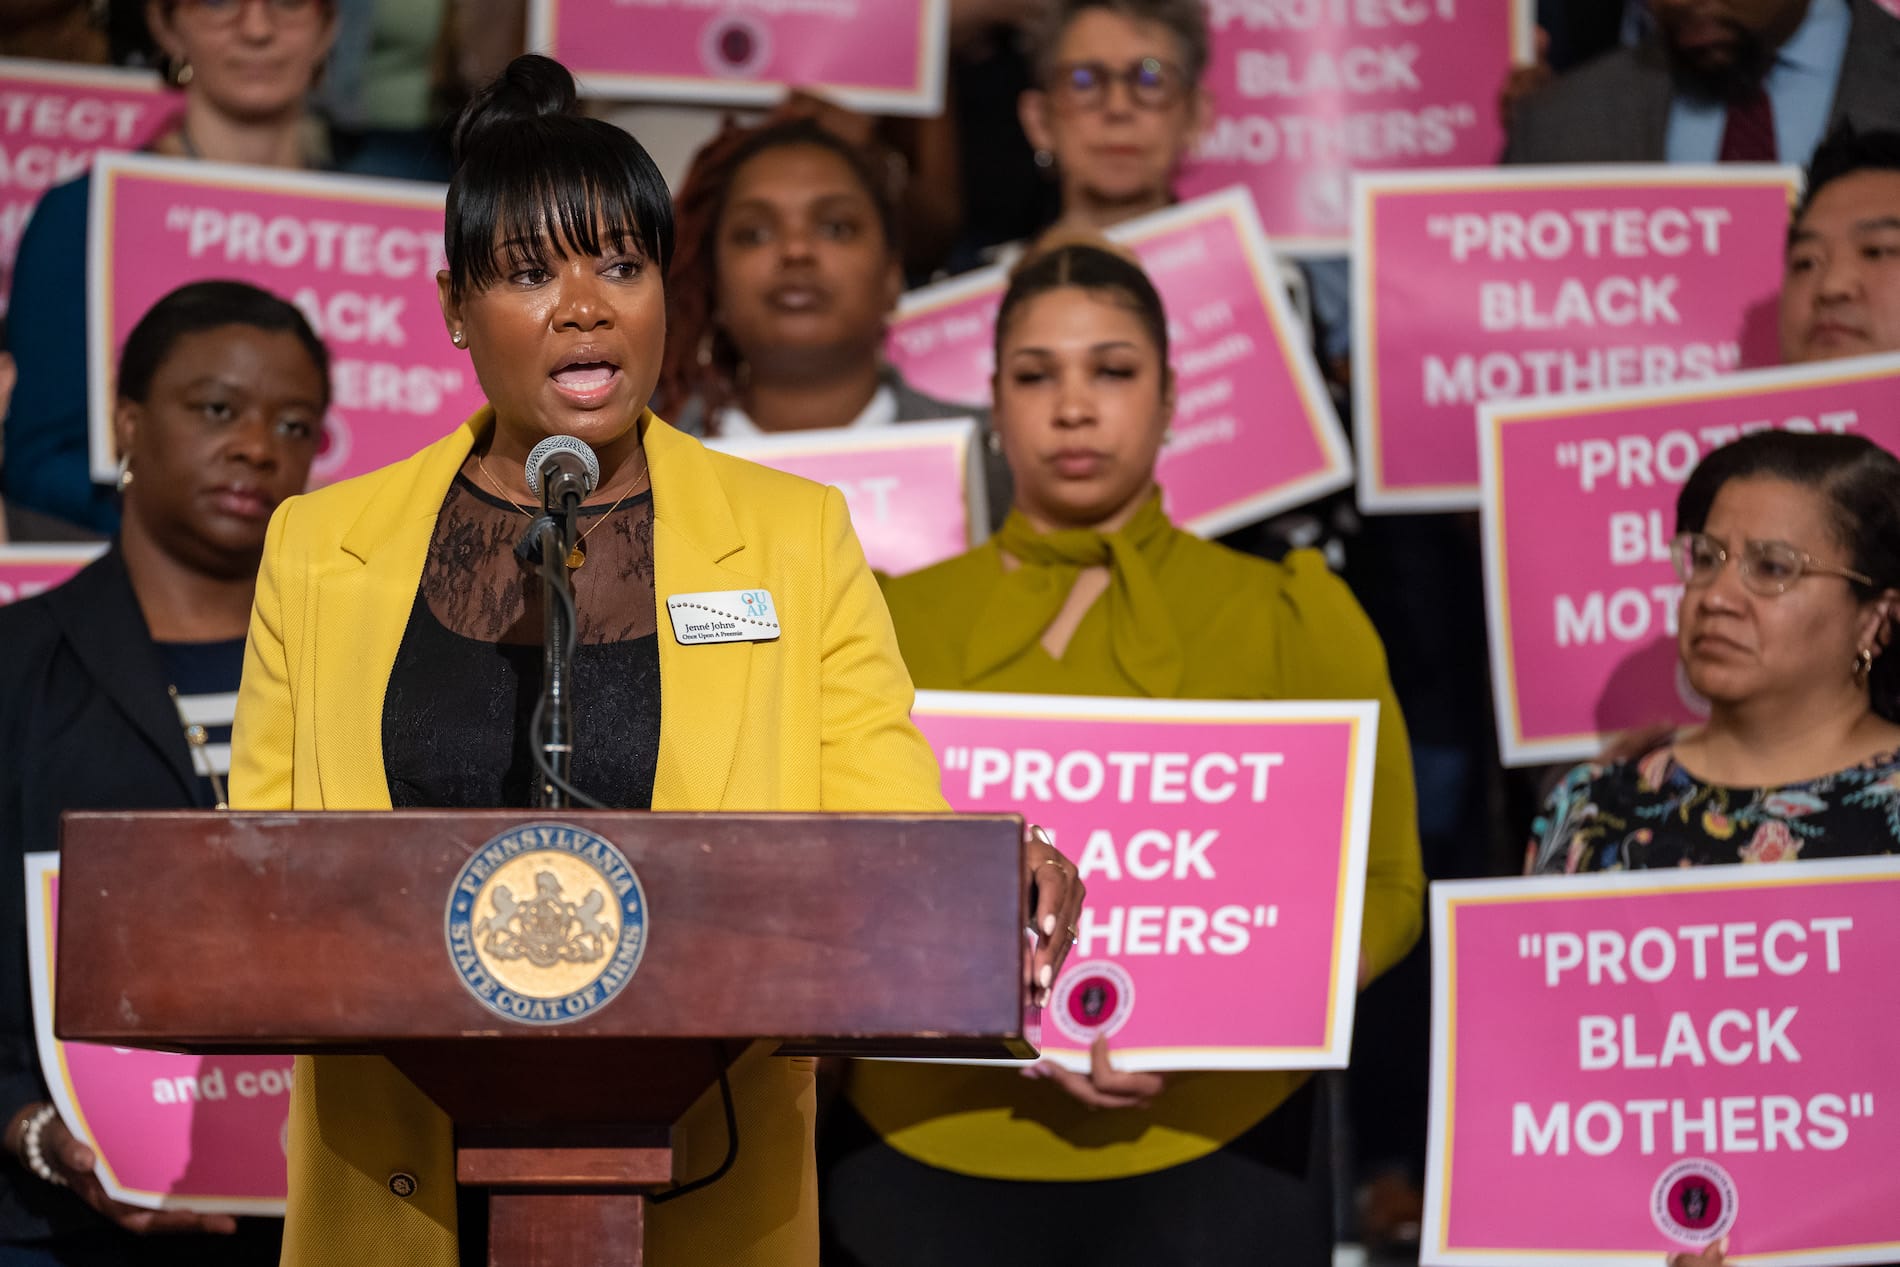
<point x="577" y="555"/>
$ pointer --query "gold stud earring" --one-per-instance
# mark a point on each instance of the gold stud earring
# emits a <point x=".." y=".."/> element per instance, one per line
<point x="1863" y="665"/>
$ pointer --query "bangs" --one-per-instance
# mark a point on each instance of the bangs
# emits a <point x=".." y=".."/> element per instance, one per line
<point x="551" y="188"/>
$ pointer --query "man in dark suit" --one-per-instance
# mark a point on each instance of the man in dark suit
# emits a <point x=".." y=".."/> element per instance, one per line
<point x="1729" y="80"/>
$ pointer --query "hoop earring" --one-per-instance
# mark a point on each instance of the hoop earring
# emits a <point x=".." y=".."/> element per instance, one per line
<point x="125" y="472"/>
<point x="1863" y="666"/>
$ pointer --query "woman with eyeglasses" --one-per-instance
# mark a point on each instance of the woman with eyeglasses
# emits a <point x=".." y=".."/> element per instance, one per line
<point x="1119" y="103"/>
<point x="1789" y="554"/>
<point x="245" y="68"/>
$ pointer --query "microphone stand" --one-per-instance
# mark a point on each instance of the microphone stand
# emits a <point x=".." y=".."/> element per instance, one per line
<point x="547" y="543"/>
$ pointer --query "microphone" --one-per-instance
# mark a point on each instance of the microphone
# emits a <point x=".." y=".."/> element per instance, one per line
<point x="561" y="468"/>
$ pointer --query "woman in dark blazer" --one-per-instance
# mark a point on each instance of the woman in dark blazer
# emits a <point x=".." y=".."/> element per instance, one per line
<point x="117" y="691"/>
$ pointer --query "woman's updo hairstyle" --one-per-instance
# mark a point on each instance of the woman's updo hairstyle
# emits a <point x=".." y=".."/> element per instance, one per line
<point x="1859" y="480"/>
<point x="1098" y="270"/>
<point x="537" y="180"/>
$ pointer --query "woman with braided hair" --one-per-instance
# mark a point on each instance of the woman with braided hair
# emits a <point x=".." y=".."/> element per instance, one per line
<point x="789" y="265"/>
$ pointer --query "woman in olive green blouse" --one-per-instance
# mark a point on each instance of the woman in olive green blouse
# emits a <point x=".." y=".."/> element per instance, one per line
<point x="1089" y="590"/>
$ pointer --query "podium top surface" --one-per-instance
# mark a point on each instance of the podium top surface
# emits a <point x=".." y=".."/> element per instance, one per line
<point x="358" y="931"/>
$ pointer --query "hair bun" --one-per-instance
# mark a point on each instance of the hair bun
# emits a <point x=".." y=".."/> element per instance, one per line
<point x="532" y="87"/>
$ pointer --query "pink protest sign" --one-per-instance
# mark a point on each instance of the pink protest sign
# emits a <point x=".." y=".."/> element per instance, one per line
<point x="877" y="56"/>
<point x="201" y="1133"/>
<point x="1476" y="287"/>
<point x="1634" y="1064"/>
<point x="26" y="570"/>
<point x="1254" y="431"/>
<point x="915" y="490"/>
<point x="53" y="118"/>
<point x="1224" y="850"/>
<point x="1579" y="509"/>
<point x="1307" y="93"/>
<point x="358" y="256"/>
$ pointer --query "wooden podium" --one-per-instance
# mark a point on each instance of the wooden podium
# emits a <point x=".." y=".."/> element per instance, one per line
<point x="339" y="933"/>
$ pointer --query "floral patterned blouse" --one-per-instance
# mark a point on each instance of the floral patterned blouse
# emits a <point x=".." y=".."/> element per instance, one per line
<point x="1653" y="813"/>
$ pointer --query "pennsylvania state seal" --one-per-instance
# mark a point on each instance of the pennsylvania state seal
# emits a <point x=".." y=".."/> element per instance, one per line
<point x="546" y="923"/>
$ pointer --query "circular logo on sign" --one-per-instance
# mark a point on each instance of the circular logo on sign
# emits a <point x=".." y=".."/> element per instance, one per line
<point x="735" y="46"/>
<point x="546" y="923"/>
<point x="1694" y="1202"/>
<point x="1092" y="1000"/>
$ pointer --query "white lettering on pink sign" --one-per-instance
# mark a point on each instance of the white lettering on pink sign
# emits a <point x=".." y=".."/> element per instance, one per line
<point x="1685" y="1046"/>
<point x="1223" y="846"/>
<point x="204" y="1133"/>
<point x="1308" y="92"/>
<point x="1579" y="509"/>
<point x="359" y="257"/>
<point x="1254" y="431"/>
<point x="53" y="118"/>
<point x="1477" y="287"/>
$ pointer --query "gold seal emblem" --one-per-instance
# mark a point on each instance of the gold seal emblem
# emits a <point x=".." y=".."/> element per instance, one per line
<point x="546" y="922"/>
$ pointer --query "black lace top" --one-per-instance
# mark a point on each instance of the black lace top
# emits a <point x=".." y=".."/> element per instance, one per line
<point x="468" y="674"/>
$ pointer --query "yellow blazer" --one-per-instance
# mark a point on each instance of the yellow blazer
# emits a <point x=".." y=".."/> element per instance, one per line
<point x="816" y="720"/>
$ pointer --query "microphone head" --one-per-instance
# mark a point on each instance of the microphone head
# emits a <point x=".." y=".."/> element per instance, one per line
<point x="567" y="451"/>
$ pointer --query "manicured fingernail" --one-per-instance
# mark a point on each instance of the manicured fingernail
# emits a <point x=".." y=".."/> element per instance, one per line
<point x="1046" y="976"/>
<point x="1049" y="926"/>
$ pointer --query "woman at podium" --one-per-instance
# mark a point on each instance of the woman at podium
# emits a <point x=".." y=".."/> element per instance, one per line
<point x="395" y="656"/>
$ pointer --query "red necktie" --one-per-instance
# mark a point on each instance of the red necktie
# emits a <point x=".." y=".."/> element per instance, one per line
<point x="1750" y="134"/>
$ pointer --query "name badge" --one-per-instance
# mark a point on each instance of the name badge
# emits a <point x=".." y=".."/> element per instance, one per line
<point x="723" y="616"/>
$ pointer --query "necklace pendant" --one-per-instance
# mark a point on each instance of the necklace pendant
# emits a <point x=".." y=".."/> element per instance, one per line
<point x="576" y="557"/>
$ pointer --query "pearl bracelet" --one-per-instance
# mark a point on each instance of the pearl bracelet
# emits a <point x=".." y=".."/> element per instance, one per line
<point x="30" y="1145"/>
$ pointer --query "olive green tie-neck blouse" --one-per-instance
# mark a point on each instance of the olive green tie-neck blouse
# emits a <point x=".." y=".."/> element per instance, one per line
<point x="1209" y="623"/>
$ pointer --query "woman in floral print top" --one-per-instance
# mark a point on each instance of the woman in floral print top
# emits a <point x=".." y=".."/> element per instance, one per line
<point x="1788" y="547"/>
<point x="1654" y="813"/>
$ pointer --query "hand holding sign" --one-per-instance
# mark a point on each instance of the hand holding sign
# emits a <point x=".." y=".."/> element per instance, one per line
<point x="76" y="1164"/>
<point x="1224" y="846"/>
<point x="1715" y="1255"/>
<point x="1103" y="1086"/>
